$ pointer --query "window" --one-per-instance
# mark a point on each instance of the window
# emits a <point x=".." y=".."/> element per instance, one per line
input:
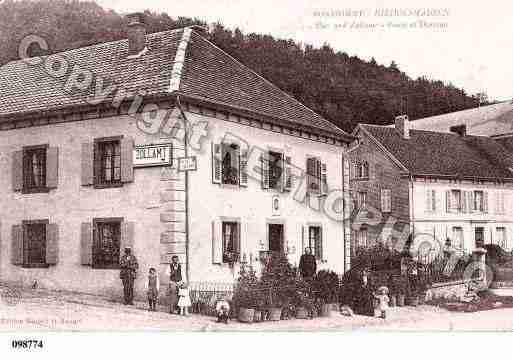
<point x="430" y="200"/>
<point x="313" y="172"/>
<point x="315" y="241"/>
<point x="361" y="238"/>
<point x="500" y="208"/>
<point x="275" y="169"/>
<point x="231" y="240"/>
<point x="386" y="200"/>
<point x="502" y="240"/>
<point x="362" y="200"/>
<point x="230" y="156"/>
<point x="478" y="203"/>
<point x="107" y="159"/>
<point x="34" y="243"/>
<point x="34" y="169"/>
<point x="454" y="201"/>
<point x="479" y="237"/>
<point x="457" y="237"/>
<point x="107" y="243"/>
<point x="362" y="170"/>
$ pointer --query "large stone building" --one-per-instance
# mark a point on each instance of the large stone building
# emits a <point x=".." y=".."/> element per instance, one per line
<point x="434" y="185"/>
<point x="92" y="140"/>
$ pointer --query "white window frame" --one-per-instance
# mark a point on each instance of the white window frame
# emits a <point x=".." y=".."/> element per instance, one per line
<point x="386" y="200"/>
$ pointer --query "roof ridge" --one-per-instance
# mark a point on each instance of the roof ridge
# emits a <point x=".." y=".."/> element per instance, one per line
<point x="268" y="82"/>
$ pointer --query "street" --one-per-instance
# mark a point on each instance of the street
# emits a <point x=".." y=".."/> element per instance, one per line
<point x="57" y="311"/>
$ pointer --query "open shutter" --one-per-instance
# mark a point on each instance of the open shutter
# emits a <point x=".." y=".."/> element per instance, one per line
<point x="324" y="246"/>
<point x="52" y="243"/>
<point x="304" y="238"/>
<point x="448" y="201"/>
<point x="324" y="179"/>
<point x="264" y="161"/>
<point x="287" y="187"/>
<point x="310" y="169"/>
<point x="17" y="170"/>
<point x="17" y="245"/>
<point x="127" y="236"/>
<point x="127" y="158"/>
<point x="243" y="168"/>
<point x="216" y="163"/>
<point x="217" y="243"/>
<point x="87" y="164"/>
<point x="485" y="202"/>
<point x="86" y="243"/>
<point x="236" y="243"/>
<point x="52" y="167"/>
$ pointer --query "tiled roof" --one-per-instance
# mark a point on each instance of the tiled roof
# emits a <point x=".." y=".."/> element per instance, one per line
<point x="208" y="74"/>
<point x="445" y="154"/>
<point x="491" y="120"/>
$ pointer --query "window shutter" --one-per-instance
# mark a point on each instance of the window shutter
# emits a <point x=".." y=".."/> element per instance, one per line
<point x="310" y="170"/>
<point x="433" y="200"/>
<point x="465" y="201"/>
<point x="243" y="168"/>
<point x="87" y="164"/>
<point x="288" y="174"/>
<point x="485" y="202"/>
<point x="86" y="243"/>
<point x="264" y="161"/>
<point x="448" y="201"/>
<point x="52" y="167"/>
<point x="236" y="243"/>
<point x="304" y="238"/>
<point x="324" y="246"/>
<point x="471" y="206"/>
<point x="17" y="170"/>
<point x="127" y="158"/>
<point x="428" y="200"/>
<point x="216" y="163"/>
<point x="383" y="200"/>
<point x="324" y="179"/>
<point x="127" y="236"/>
<point x="17" y="245"/>
<point x="217" y="243"/>
<point x="52" y="243"/>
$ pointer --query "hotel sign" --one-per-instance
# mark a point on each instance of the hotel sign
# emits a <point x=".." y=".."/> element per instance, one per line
<point x="187" y="164"/>
<point x="153" y="155"/>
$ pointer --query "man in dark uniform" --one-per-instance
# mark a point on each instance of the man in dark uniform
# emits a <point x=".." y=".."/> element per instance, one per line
<point x="129" y="266"/>
<point x="175" y="276"/>
<point x="307" y="264"/>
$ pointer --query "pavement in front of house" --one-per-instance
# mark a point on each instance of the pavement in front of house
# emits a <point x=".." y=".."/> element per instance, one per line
<point x="54" y="311"/>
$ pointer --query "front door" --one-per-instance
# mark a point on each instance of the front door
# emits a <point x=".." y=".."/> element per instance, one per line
<point x="479" y="236"/>
<point x="275" y="237"/>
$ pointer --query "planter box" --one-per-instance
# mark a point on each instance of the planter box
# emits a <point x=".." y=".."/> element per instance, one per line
<point x="246" y="315"/>
<point x="275" y="314"/>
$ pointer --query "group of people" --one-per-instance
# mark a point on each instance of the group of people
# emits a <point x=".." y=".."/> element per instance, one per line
<point x="179" y="299"/>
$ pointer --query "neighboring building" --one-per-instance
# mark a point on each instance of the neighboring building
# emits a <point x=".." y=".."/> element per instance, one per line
<point x="445" y="185"/>
<point x="82" y="177"/>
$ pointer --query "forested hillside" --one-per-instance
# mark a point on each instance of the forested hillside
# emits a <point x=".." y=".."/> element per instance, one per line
<point x="342" y="88"/>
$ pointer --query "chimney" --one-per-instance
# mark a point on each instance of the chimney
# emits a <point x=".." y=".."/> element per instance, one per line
<point x="136" y="33"/>
<point x="402" y="125"/>
<point x="459" y="130"/>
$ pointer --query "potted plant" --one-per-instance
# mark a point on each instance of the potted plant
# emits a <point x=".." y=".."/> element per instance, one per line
<point x="303" y="300"/>
<point x="402" y="290"/>
<point x="244" y="298"/>
<point x="326" y="288"/>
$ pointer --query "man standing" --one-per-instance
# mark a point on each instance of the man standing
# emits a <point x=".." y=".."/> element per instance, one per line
<point x="129" y="266"/>
<point x="175" y="276"/>
<point x="307" y="264"/>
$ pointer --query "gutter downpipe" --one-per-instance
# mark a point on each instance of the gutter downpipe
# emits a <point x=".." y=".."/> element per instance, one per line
<point x="186" y="153"/>
<point x="412" y="210"/>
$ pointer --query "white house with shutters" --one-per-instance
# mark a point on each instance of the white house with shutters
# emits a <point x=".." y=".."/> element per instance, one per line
<point x="84" y="177"/>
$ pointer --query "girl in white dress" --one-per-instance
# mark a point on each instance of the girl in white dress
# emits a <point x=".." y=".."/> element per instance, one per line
<point x="184" y="301"/>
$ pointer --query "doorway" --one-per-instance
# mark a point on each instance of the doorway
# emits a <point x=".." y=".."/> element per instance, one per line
<point x="479" y="236"/>
<point x="276" y="232"/>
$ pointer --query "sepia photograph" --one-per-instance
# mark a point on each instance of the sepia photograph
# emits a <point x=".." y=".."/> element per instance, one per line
<point x="229" y="166"/>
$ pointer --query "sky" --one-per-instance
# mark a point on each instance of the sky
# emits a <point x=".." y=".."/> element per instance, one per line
<point x="459" y="42"/>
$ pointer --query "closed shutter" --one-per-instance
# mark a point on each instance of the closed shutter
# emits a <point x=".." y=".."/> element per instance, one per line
<point x="471" y="204"/>
<point x="243" y="168"/>
<point x="86" y="243"/>
<point x="465" y="201"/>
<point x="324" y="245"/>
<point x="236" y="242"/>
<point x="310" y="171"/>
<point x="52" y="243"/>
<point x="127" y="158"/>
<point x="485" y="202"/>
<point x="448" y="201"/>
<point x="216" y="163"/>
<point x="304" y="238"/>
<point x="127" y="236"/>
<point x="288" y="174"/>
<point x="17" y="170"/>
<point x="217" y="243"/>
<point x="433" y="200"/>
<point x="17" y="245"/>
<point x="428" y="200"/>
<point x="324" y="179"/>
<point x="386" y="200"/>
<point x="87" y="165"/>
<point x="52" y="167"/>
<point x="264" y="162"/>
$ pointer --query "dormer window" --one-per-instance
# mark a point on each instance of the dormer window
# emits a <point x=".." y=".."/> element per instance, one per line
<point x="362" y="170"/>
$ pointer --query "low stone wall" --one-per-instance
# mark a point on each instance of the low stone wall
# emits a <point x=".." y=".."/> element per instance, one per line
<point x="448" y="290"/>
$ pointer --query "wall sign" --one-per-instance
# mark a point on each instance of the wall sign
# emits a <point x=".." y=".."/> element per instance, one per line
<point x="153" y="155"/>
<point x="187" y="164"/>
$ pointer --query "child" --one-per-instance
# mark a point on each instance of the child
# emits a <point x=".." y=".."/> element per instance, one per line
<point x="223" y="311"/>
<point x="152" y="287"/>
<point x="383" y="300"/>
<point x="184" y="301"/>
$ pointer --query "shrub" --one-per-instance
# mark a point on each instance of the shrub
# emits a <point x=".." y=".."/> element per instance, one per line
<point x="279" y="281"/>
<point x="325" y="286"/>
<point x="246" y="293"/>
